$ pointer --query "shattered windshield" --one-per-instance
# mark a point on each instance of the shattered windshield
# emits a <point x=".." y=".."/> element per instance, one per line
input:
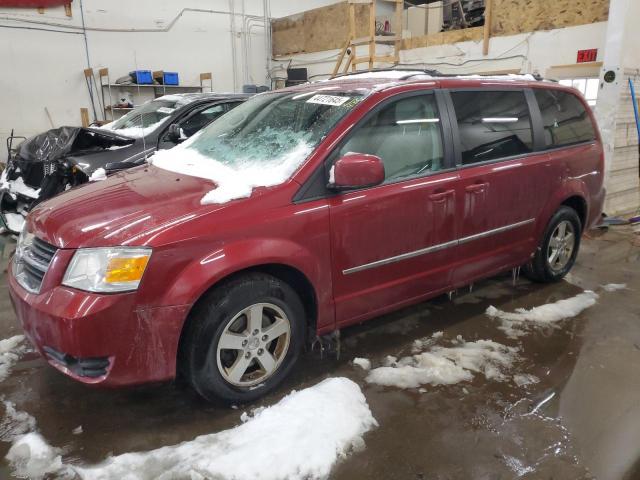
<point x="261" y="143"/>
<point x="145" y="118"/>
<point x="269" y="127"/>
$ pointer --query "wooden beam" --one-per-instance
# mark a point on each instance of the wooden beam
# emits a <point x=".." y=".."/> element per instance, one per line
<point x="336" y="69"/>
<point x="84" y="115"/>
<point x="41" y="10"/>
<point x="349" y="62"/>
<point x="372" y="33"/>
<point x="398" y="28"/>
<point x="88" y="72"/>
<point x="488" y="16"/>
<point x="67" y="10"/>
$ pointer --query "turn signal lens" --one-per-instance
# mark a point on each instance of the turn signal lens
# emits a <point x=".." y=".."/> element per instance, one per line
<point x="125" y="269"/>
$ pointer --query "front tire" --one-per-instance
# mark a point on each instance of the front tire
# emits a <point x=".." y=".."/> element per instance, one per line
<point x="244" y="338"/>
<point x="558" y="250"/>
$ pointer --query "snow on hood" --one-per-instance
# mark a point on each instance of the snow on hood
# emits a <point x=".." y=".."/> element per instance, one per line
<point x="135" y="132"/>
<point x="299" y="438"/>
<point x="232" y="182"/>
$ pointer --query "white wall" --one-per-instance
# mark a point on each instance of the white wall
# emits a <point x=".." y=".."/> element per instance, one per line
<point x="41" y="69"/>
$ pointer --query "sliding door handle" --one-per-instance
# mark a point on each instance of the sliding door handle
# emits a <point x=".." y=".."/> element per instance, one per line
<point x="476" y="187"/>
<point x="439" y="196"/>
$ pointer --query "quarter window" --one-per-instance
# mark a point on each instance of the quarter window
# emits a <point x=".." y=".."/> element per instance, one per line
<point x="565" y="119"/>
<point x="492" y="125"/>
<point x="406" y="134"/>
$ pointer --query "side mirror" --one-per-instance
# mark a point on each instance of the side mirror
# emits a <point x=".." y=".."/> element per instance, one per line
<point x="356" y="170"/>
<point x="173" y="134"/>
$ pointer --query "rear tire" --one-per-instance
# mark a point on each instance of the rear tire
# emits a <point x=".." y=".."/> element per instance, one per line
<point x="558" y="250"/>
<point x="243" y="338"/>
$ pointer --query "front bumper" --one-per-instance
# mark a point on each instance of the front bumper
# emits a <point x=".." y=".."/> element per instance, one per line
<point x="100" y="339"/>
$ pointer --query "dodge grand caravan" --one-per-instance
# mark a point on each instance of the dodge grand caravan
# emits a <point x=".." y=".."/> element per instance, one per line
<point x="298" y="213"/>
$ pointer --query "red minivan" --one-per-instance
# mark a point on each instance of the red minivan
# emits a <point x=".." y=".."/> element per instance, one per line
<point x="300" y="212"/>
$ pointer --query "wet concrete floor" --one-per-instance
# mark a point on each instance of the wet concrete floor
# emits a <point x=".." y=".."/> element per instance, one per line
<point x="582" y="420"/>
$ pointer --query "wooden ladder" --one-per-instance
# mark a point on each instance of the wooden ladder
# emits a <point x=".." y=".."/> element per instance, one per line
<point x="349" y="49"/>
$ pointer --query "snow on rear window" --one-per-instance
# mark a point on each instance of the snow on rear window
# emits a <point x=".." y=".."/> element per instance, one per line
<point x="258" y="144"/>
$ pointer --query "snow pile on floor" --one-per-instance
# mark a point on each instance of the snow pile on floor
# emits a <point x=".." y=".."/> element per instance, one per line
<point x="32" y="457"/>
<point x="301" y="437"/>
<point x="614" y="287"/>
<point x="524" y="379"/>
<point x="11" y="349"/>
<point x="447" y="365"/>
<point x="98" y="175"/>
<point x="516" y="324"/>
<point x="15" y="423"/>
<point x="363" y="363"/>
<point x="233" y="182"/>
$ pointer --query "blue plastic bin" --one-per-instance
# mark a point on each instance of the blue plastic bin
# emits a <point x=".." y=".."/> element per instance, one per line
<point x="171" y="78"/>
<point x="142" y="77"/>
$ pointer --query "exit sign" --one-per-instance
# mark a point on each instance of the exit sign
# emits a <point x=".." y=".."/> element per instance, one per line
<point x="586" y="56"/>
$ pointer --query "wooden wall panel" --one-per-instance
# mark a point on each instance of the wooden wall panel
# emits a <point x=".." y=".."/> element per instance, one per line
<point x="443" y="38"/>
<point x="519" y="16"/>
<point x="316" y="30"/>
<point x="327" y="28"/>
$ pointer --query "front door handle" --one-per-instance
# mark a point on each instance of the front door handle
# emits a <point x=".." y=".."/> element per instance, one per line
<point x="439" y="196"/>
<point x="476" y="187"/>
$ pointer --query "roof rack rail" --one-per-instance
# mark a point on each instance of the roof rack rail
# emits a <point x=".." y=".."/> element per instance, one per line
<point x="415" y="71"/>
<point x="434" y="73"/>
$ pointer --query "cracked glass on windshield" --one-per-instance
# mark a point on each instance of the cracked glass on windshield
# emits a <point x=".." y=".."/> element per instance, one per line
<point x="269" y="127"/>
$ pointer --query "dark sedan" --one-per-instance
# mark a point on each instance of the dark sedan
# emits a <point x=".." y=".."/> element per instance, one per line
<point x="54" y="161"/>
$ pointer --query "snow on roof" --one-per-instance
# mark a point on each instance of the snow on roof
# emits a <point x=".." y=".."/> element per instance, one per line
<point x="382" y="74"/>
<point x="300" y="437"/>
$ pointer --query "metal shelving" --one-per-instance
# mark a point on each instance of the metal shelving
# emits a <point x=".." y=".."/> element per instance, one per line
<point x="206" y="81"/>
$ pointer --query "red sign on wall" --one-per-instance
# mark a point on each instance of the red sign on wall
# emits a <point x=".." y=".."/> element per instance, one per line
<point x="586" y="56"/>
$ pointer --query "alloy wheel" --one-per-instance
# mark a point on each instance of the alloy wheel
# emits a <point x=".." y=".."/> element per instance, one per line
<point x="253" y="344"/>
<point x="561" y="246"/>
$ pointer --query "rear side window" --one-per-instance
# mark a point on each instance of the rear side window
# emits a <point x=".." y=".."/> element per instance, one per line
<point x="492" y="124"/>
<point x="565" y="119"/>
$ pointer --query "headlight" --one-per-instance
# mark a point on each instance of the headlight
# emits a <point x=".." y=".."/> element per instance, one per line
<point x="117" y="269"/>
<point x="24" y="241"/>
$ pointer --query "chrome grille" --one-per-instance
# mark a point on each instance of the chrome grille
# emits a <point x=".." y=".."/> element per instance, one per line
<point x="32" y="263"/>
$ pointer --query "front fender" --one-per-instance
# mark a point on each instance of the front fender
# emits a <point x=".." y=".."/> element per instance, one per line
<point x="202" y="273"/>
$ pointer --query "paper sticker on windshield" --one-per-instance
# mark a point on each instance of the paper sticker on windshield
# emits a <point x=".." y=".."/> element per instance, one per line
<point x="328" y="100"/>
<point x="166" y="110"/>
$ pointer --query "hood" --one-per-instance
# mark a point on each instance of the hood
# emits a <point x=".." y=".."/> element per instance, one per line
<point x="60" y="142"/>
<point x="129" y="208"/>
